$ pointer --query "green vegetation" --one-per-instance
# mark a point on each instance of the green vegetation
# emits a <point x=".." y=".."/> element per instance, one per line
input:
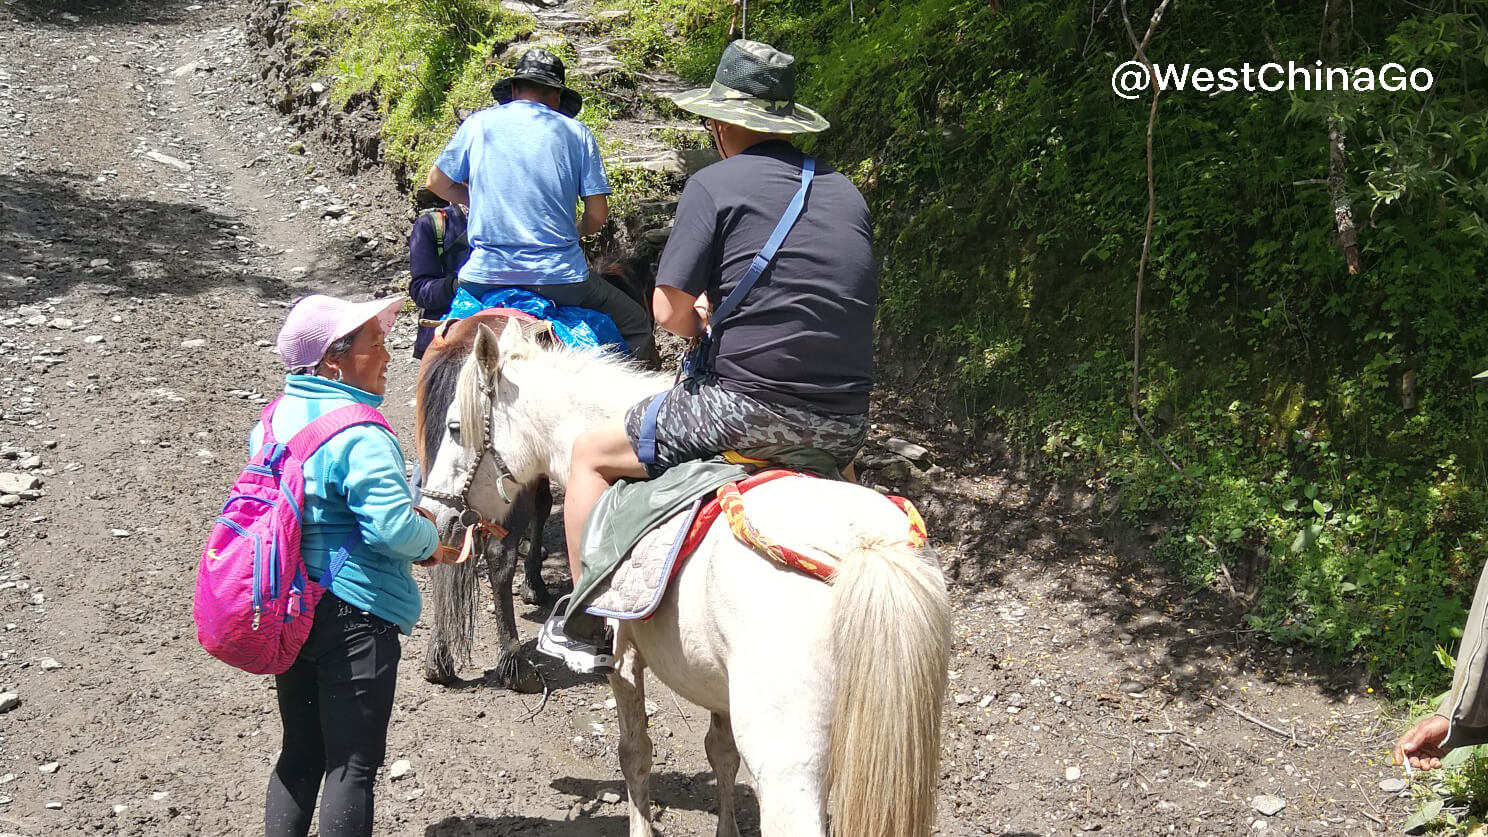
<point x="421" y="61"/>
<point x="1329" y="440"/>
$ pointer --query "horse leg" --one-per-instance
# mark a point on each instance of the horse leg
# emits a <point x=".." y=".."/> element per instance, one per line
<point x="513" y="671"/>
<point x="629" y="685"/>
<point x="723" y="754"/>
<point x="534" y="589"/>
<point x="783" y="742"/>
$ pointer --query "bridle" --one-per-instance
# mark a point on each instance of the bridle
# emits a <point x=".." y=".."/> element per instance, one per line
<point x="476" y="525"/>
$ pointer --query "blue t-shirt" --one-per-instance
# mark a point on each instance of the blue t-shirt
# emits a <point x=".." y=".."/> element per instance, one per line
<point x="526" y="166"/>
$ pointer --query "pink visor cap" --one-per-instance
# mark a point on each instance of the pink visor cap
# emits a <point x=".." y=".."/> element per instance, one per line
<point x="317" y="321"/>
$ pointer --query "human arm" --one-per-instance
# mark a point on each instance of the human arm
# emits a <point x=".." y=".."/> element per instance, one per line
<point x="1422" y="743"/>
<point x="1462" y="718"/>
<point x="679" y="312"/>
<point x="689" y="264"/>
<point x="430" y="288"/>
<point x="367" y="470"/>
<point x="447" y="187"/>
<point x="596" y="212"/>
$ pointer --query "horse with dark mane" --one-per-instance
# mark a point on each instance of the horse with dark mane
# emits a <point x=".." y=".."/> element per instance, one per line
<point x="453" y="587"/>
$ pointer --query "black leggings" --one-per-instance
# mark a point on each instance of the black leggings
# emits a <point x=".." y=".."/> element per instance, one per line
<point x="335" y="702"/>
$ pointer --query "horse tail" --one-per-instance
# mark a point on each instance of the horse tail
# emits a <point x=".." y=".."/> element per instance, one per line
<point x="891" y="618"/>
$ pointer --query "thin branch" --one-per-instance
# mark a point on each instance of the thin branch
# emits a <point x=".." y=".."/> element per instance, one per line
<point x="1136" y="387"/>
<point x="1290" y="736"/>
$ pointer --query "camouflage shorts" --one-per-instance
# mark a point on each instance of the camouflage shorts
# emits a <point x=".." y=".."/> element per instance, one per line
<point x="698" y="421"/>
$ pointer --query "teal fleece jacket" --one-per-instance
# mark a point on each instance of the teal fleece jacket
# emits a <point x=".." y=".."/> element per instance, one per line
<point x="355" y="495"/>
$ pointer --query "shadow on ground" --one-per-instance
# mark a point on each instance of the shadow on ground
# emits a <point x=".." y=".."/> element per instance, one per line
<point x="102" y="12"/>
<point x="54" y="236"/>
<point x="668" y="790"/>
<point x="1006" y="526"/>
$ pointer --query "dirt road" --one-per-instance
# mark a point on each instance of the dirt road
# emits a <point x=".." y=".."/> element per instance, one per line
<point x="156" y="219"/>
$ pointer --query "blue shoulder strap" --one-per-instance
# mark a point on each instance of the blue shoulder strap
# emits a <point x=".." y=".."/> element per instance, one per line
<point x="646" y="442"/>
<point x="763" y="258"/>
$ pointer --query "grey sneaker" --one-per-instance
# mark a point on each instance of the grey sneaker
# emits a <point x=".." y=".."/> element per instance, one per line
<point x="581" y="656"/>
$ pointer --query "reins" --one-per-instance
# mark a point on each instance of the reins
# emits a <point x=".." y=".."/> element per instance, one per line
<point x="476" y="525"/>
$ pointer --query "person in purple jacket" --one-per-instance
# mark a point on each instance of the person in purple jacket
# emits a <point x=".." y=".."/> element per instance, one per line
<point x="437" y="249"/>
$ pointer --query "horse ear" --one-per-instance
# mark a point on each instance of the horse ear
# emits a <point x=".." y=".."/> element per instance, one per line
<point x="488" y="349"/>
<point x="513" y="339"/>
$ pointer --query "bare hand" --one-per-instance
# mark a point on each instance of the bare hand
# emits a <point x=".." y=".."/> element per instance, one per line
<point x="703" y="309"/>
<point x="1421" y="744"/>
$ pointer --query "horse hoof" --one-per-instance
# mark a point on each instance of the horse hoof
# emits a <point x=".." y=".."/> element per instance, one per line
<point x="536" y="596"/>
<point x="439" y="676"/>
<point x="516" y="674"/>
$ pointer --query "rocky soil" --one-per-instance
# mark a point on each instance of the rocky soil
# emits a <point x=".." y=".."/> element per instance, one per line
<point x="159" y="210"/>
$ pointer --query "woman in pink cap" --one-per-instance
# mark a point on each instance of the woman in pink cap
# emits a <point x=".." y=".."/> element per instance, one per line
<point x="335" y="701"/>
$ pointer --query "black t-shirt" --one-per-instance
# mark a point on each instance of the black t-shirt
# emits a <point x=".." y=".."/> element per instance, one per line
<point x="803" y="336"/>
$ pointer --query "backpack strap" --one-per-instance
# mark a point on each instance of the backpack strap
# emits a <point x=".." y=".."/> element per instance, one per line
<point x="441" y="224"/>
<point x="266" y="418"/>
<point x="318" y="432"/>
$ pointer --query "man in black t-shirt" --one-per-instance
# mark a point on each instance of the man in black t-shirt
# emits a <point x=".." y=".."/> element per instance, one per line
<point x="792" y="364"/>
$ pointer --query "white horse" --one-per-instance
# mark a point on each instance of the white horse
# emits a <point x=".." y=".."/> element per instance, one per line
<point x="832" y="694"/>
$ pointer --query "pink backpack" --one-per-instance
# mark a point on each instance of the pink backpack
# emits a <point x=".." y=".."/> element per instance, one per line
<point x="254" y="600"/>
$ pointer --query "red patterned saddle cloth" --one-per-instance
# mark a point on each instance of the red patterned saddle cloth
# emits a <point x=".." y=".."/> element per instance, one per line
<point x="637" y="586"/>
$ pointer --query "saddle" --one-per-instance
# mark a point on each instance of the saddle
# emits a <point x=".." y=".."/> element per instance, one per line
<point x="633" y="586"/>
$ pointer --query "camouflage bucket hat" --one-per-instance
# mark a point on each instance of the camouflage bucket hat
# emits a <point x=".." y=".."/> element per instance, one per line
<point x="754" y="87"/>
<point x="540" y="66"/>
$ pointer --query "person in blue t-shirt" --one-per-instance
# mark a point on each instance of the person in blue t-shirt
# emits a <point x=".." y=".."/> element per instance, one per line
<point x="521" y="167"/>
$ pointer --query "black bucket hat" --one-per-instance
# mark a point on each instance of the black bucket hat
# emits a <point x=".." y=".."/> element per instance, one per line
<point x="540" y="67"/>
<point x="754" y="86"/>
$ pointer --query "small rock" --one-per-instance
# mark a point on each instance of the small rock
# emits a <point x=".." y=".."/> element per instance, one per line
<point x="399" y="769"/>
<point x="609" y="798"/>
<point x="119" y="810"/>
<point x="1392" y="785"/>
<point x="1267" y="804"/>
<point x="38" y="320"/>
<point x="49" y="768"/>
<point x="168" y="160"/>
<point x="16" y="483"/>
<point x="335" y="210"/>
<point x="1013" y="710"/>
<point x="317" y="88"/>
<point x="296" y="147"/>
<point x="119" y="533"/>
<point x="962" y="699"/>
<point x="30" y="463"/>
<point x="53" y="805"/>
<point x="9" y="701"/>
<point x="9" y="501"/>
<point x="193" y="343"/>
<point x="908" y="450"/>
<point x="1072" y="774"/>
<point x="1133" y="687"/>
<point x="49" y="664"/>
<point x="159" y="796"/>
<point x="986" y="701"/>
<point x="60" y="322"/>
<point x="93" y="339"/>
<point x="116" y="319"/>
